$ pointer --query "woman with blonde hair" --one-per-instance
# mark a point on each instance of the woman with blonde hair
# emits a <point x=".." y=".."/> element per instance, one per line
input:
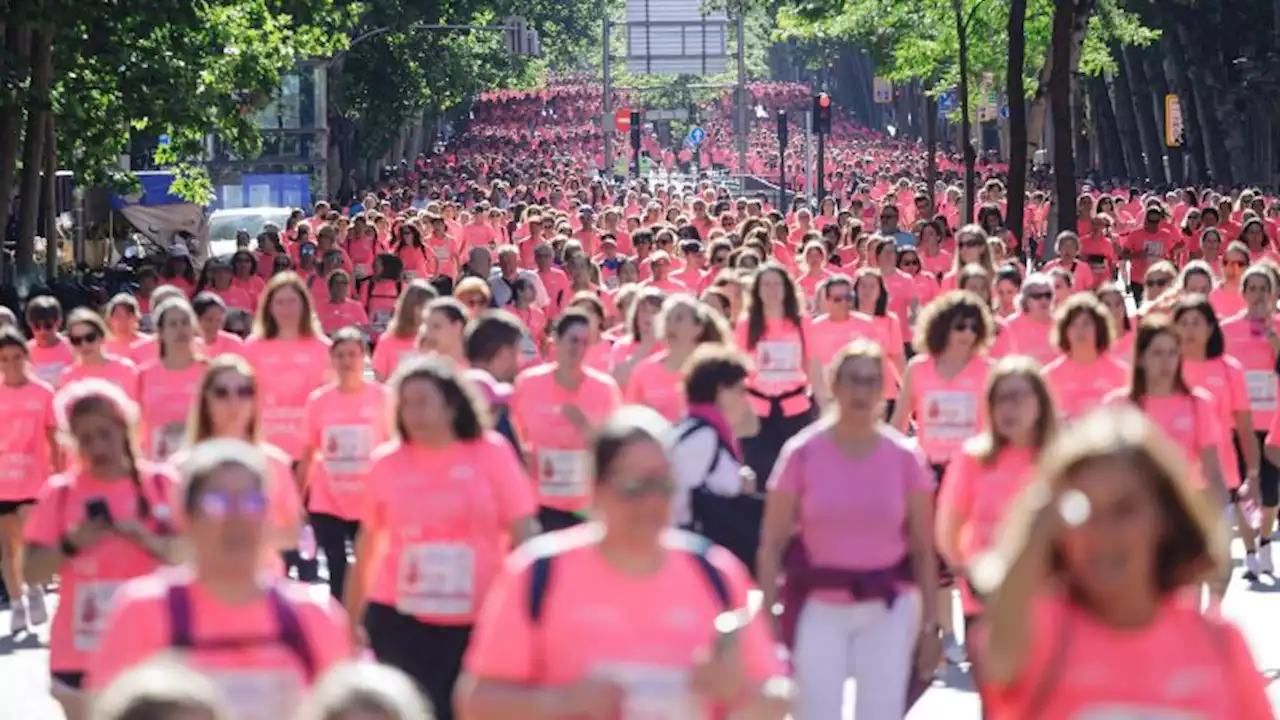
<point x="365" y="691"/>
<point x="400" y="340"/>
<point x="683" y="325"/>
<point x="167" y="385"/>
<point x="971" y="248"/>
<point x="1097" y="569"/>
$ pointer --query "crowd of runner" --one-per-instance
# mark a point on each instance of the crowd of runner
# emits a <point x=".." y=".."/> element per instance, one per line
<point x="550" y="437"/>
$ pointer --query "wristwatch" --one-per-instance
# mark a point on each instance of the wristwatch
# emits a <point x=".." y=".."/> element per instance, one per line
<point x="67" y="548"/>
<point x="931" y="628"/>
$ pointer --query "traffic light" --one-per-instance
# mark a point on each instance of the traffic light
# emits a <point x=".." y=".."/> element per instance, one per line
<point x="782" y="131"/>
<point x="635" y="130"/>
<point x="822" y="113"/>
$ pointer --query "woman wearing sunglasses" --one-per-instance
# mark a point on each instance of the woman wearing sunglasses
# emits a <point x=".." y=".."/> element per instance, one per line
<point x="87" y="334"/>
<point x="262" y="642"/>
<point x="107" y="520"/>
<point x="50" y="351"/>
<point x="595" y="612"/>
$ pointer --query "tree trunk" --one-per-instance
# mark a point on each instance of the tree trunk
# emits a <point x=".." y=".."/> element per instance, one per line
<point x="966" y="130"/>
<point x="1040" y="102"/>
<point x="1017" y="98"/>
<point x="1064" y="171"/>
<point x="1110" y="147"/>
<point x="1149" y="129"/>
<point x="1175" y="70"/>
<point x="49" y="201"/>
<point x="1121" y="96"/>
<point x="1080" y="138"/>
<point x="1159" y="89"/>
<point x="1217" y="162"/>
<point x="18" y="46"/>
<point x="33" y="152"/>
<point x="931" y="146"/>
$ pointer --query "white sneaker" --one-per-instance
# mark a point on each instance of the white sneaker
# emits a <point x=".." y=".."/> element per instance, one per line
<point x="1264" y="558"/>
<point x="37" y="611"/>
<point x="1251" y="567"/>
<point x="17" y="617"/>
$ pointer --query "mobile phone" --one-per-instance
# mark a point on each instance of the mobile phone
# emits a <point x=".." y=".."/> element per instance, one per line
<point x="97" y="509"/>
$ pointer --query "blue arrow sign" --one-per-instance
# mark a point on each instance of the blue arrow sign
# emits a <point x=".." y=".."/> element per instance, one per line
<point x="1004" y="112"/>
<point x="164" y="140"/>
<point x="697" y="135"/>
<point x="947" y="102"/>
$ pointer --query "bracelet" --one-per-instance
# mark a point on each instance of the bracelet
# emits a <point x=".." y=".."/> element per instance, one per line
<point x="67" y="548"/>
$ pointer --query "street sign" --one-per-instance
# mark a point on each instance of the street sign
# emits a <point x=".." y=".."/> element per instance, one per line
<point x="1004" y="112"/>
<point x="622" y="120"/>
<point x="697" y="135"/>
<point x="882" y="90"/>
<point x="680" y="114"/>
<point x="1172" y="121"/>
<point x="165" y="140"/>
<point x="947" y="102"/>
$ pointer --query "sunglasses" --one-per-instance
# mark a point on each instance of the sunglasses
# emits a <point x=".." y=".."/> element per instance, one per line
<point x="973" y="243"/>
<point x="1040" y="296"/>
<point x="88" y="338"/>
<point x="222" y="392"/>
<point x="646" y="487"/>
<point x="1158" y="282"/>
<point x="220" y="506"/>
<point x="910" y="263"/>
<point x="966" y="326"/>
<point x="888" y="217"/>
<point x="44" y="323"/>
<point x="1233" y="263"/>
<point x="841" y="298"/>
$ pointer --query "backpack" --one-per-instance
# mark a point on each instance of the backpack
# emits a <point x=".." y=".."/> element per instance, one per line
<point x="731" y="521"/>
<point x="694" y="545"/>
<point x="291" y="635"/>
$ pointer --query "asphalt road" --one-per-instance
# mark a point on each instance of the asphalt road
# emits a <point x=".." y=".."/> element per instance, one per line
<point x="24" y="679"/>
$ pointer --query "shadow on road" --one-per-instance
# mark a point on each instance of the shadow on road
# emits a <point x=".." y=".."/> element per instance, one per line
<point x="22" y="641"/>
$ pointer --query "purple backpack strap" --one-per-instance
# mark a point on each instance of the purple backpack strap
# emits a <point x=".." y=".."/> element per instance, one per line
<point x="291" y="632"/>
<point x="179" y="603"/>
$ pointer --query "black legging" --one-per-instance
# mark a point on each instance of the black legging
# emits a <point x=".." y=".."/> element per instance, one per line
<point x="760" y="453"/>
<point x="332" y="535"/>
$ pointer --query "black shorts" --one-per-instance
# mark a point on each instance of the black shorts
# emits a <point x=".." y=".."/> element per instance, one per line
<point x="67" y="680"/>
<point x="1268" y="474"/>
<point x="946" y="578"/>
<point x="11" y="507"/>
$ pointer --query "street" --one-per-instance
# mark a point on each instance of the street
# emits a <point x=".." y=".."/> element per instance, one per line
<point x="24" y="678"/>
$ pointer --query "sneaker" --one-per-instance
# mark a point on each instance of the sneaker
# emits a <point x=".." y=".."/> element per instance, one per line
<point x="1251" y="567"/>
<point x="18" y="618"/>
<point x="1264" y="558"/>
<point x="37" y="611"/>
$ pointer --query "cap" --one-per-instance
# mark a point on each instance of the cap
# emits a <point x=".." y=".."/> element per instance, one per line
<point x="586" y="210"/>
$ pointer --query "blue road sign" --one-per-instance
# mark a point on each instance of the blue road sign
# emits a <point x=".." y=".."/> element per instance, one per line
<point x="947" y="102"/>
<point x="164" y="140"/>
<point x="1004" y="112"/>
<point x="697" y="135"/>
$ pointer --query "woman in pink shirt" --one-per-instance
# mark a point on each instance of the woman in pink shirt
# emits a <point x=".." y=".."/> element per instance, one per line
<point x="167" y="386"/>
<point x="658" y="381"/>
<point x="216" y="277"/>
<point x="400" y="340"/>
<point x="984" y="479"/>
<point x="1094" y="608"/>
<point x="344" y="422"/>
<point x="211" y="314"/>
<point x="108" y="520"/>
<point x="641" y="340"/>
<point x="871" y="299"/>
<point x="244" y="269"/>
<point x="28" y="455"/>
<point x="598" y="600"/>
<point x="971" y="247"/>
<point x="1226" y="297"/>
<point x="1087" y="370"/>
<point x="123" y="322"/>
<point x="847" y="522"/>
<point x="50" y="351"/>
<point x="262" y="642"/>
<point x="444" y="504"/>
<point x="443" y="322"/>
<point x="337" y="309"/>
<point x="87" y="334"/>
<point x="1027" y="332"/>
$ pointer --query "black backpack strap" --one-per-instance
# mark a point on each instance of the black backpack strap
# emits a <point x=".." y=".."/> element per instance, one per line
<point x="179" y="605"/>
<point x="689" y="431"/>
<point x="539" y="576"/>
<point x="292" y="635"/>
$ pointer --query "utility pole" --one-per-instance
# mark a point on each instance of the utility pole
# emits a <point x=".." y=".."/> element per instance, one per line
<point x="744" y="124"/>
<point x="782" y="159"/>
<point x="606" y="117"/>
<point x="808" y="153"/>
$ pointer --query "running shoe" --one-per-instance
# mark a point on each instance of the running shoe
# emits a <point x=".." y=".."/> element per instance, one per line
<point x="18" y="617"/>
<point x="1251" y="567"/>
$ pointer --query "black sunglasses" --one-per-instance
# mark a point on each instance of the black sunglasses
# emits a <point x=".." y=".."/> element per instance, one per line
<point x="88" y="338"/>
<point x="243" y="392"/>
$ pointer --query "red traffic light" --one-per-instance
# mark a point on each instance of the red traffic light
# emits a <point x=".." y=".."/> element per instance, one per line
<point x="824" y="100"/>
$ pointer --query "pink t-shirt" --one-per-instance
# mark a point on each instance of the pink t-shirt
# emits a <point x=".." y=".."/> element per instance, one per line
<point x="1190" y="421"/>
<point x="978" y="494"/>
<point x="390" y="352"/>
<point x="599" y="621"/>
<point x="238" y="647"/>
<point x="947" y="411"/>
<point x="283" y="395"/>
<point x="778" y="364"/>
<point x="1020" y="335"/>
<point x="558" y="449"/>
<point x="165" y="400"/>
<point x="225" y="344"/>
<point x="25" y="452"/>
<point x="444" y="518"/>
<point x="1078" y="388"/>
<point x="90" y="579"/>
<point x="652" y="384"/>
<point x="1184" y="665"/>
<point x="1222" y="380"/>
<point x="852" y="512"/>
<point x="335" y="316"/>
<point x="343" y="429"/>
<point x="119" y="371"/>
<point x="49" y="362"/>
<point x="1248" y="344"/>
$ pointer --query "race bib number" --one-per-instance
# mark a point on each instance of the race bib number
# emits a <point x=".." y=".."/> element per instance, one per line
<point x="950" y="415"/>
<point x="363" y="271"/>
<point x="436" y="579"/>
<point x="442" y="253"/>
<point x="1154" y="249"/>
<point x="93" y="600"/>
<point x="528" y="350"/>
<point x="167" y="439"/>
<point x="380" y="319"/>
<point x="259" y="694"/>
<point x="562" y="473"/>
<point x="653" y="692"/>
<point x="1135" y="713"/>
<point x="778" y="361"/>
<point x="1261" y="385"/>
<point x="50" y="373"/>
<point x="347" y="449"/>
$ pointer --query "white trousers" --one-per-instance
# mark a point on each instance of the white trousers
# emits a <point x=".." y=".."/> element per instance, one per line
<point x="867" y="642"/>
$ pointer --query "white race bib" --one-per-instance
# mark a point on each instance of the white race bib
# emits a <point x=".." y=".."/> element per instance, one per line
<point x="562" y="473"/>
<point x="363" y="271"/>
<point x="653" y="692"/>
<point x="1154" y="249"/>
<point x="1262" y="389"/>
<point x="442" y="253"/>
<point x="778" y="360"/>
<point x="347" y="449"/>
<point x="92" y="603"/>
<point x="50" y="372"/>
<point x="259" y="694"/>
<point x="1127" y="712"/>
<point x="380" y="319"/>
<point x="950" y="415"/>
<point x="167" y="439"/>
<point x="436" y="579"/>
